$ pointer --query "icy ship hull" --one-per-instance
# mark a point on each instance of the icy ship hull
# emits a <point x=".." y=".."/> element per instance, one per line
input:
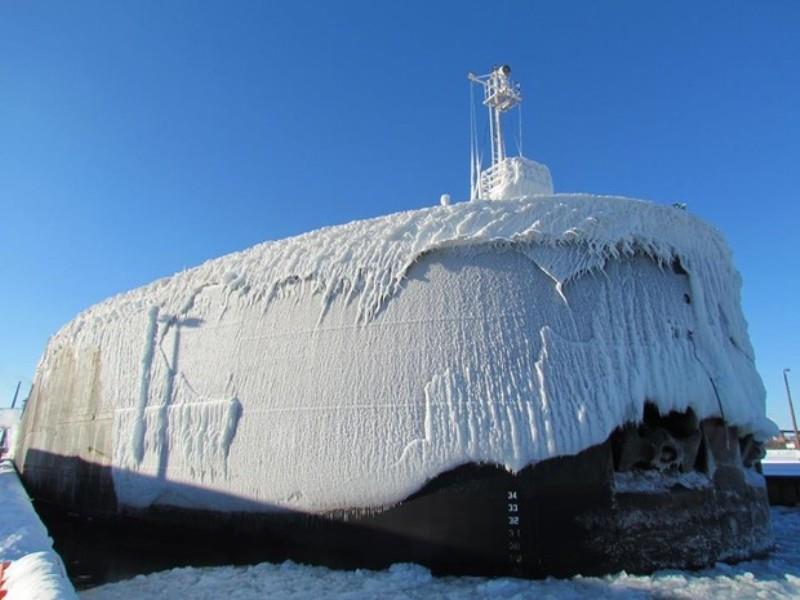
<point x="564" y="516"/>
<point x="331" y="377"/>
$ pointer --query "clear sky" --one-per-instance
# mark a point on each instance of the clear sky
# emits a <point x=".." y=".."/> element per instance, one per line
<point x="140" y="138"/>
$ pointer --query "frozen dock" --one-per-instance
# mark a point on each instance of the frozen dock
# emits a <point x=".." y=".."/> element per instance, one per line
<point x="782" y="471"/>
<point x="31" y="568"/>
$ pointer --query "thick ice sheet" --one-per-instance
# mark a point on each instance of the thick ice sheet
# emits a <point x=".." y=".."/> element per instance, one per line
<point x="348" y="366"/>
<point x="36" y="572"/>
<point x="777" y="577"/>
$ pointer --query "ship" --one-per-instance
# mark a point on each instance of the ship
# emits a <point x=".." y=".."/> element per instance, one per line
<point x="526" y="383"/>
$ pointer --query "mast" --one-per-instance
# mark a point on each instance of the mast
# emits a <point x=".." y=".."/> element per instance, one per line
<point x="500" y="95"/>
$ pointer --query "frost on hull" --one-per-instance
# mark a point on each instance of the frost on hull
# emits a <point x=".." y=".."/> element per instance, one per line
<point x="346" y="368"/>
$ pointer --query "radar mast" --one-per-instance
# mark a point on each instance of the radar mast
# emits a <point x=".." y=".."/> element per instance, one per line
<point x="505" y="177"/>
<point x="500" y="95"/>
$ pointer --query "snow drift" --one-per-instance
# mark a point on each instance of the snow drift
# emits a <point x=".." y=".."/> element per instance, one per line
<point x="347" y="366"/>
<point x="35" y="571"/>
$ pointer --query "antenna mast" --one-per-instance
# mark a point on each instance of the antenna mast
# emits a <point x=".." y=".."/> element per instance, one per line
<point x="500" y="95"/>
<point x="506" y="177"/>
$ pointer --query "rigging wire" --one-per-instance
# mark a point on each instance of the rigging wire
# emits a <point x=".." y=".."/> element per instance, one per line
<point x="476" y="159"/>
<point x="472" y="141"/>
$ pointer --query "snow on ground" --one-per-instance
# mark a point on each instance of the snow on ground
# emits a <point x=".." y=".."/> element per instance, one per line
<point x="36" y="571"/>
<point x="775" y="577"/>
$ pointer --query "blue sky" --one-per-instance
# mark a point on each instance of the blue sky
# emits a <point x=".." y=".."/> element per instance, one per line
<point x="140" y="138"/>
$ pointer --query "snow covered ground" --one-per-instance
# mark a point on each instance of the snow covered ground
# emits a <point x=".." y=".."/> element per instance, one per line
<point x="35" y="571"/>
<point x="775" y="577"/>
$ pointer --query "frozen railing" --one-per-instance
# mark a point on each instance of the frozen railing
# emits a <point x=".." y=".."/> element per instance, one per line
<point x="514" y="177"/>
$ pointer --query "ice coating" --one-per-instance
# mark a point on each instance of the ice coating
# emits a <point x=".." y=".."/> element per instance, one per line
<point x="348" y="366"/>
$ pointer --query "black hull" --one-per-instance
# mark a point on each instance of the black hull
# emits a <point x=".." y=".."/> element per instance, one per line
<point x="563" y="516"/>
